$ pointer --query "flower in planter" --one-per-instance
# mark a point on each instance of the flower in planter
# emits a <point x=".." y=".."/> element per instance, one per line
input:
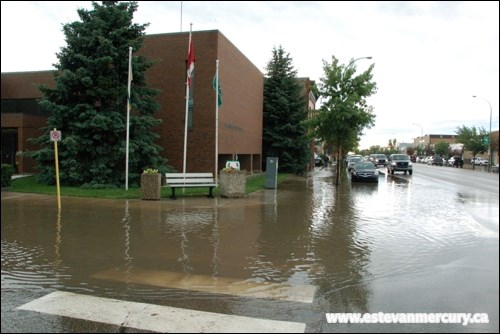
<point x="229" y="170"/>
<point x="150" y="171"/>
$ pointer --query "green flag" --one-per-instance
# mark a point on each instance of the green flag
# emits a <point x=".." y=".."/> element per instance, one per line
<point x="219" y="93"/>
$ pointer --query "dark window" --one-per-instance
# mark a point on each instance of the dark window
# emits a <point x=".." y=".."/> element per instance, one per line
<point x="23" y="106"/>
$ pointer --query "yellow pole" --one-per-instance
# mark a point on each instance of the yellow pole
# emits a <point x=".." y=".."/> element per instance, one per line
<point x="57" y="174"/>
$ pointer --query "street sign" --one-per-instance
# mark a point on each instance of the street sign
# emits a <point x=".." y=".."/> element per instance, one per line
<point x="55" y="135"/>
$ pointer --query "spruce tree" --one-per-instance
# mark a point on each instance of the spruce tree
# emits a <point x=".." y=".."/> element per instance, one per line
<point x="285" y="109"/>
<point x="89" y="102"/>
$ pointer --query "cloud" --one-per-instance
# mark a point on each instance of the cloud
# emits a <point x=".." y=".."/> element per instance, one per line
<point x="430" y="57"/>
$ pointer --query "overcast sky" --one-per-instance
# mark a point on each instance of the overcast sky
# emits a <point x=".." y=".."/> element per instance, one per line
<point x="430" y="57"/>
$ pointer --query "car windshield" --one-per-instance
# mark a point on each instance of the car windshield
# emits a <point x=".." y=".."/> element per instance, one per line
<point x="364" y="165"/>
<point x="400" y="157"/>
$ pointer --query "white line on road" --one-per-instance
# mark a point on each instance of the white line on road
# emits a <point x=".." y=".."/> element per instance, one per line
<point x="153" y="317"/>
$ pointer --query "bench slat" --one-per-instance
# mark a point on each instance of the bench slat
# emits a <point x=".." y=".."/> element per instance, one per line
<point x="187" y="175"/>
<point x="180" y="181"/>
<point x="192" y="185"/>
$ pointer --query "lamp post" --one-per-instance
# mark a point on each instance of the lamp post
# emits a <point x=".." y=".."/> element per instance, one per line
<point x="489" y="144"/>
<point x="349" y="65"/>
<point x="352" y="62"/>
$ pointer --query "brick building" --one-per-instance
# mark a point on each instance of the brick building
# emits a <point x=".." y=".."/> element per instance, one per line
<point x="427" y="142"/>
<point x="240" y="116"/>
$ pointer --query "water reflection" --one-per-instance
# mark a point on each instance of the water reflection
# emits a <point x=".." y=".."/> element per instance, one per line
<point x="126" y="232"/>
<point x="57" y="244"/>
<point x="268" y="254"/>
<point x="341" y="255"/>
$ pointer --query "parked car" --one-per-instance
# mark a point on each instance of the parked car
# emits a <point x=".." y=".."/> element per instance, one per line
<point x="349" y="157"/>
<point x="479" y="161"/>
<point x="364" y="171"/>
<point x="435" y="161"/>
<point x="456" y="162"/>
<point x="317" y="160"/>
<point x="399" y="163"/>
<point x="353" y="160"/>
<point x="426" y="159"/>
<point x="378" y="159"/>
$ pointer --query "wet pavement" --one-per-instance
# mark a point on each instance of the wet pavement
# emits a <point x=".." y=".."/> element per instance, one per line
<point x="290" y="254"/>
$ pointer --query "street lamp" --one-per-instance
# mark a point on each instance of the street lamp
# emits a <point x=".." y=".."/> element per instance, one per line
<point x="352" y="62"/>
<point x="421" y="135"/>
<point x="489" y="144"/>
<point x="349" y="65"/>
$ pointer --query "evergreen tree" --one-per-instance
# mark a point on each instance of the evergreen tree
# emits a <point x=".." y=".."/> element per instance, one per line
<point x="285" y="109"/>
<point x="89" y="102"/>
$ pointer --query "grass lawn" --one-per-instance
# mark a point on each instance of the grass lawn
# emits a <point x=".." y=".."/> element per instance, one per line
<point x="29" y="184"/>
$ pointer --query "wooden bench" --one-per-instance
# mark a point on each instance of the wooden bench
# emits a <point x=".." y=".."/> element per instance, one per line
<point x="190" y="180"/>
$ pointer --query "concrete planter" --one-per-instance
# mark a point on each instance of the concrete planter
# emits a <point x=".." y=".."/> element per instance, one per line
<point x="233" y="184"/>
<point x="151" y="186"/>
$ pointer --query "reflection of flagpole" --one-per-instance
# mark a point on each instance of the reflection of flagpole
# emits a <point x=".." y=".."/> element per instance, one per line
<point x="128" y="114"/>
<point x="128" y="258"/>
<point x="216" y="120"/>
<point x="215" y="239"/>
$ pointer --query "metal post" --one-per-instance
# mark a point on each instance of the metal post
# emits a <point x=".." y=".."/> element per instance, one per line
<point x="352" y="62"/>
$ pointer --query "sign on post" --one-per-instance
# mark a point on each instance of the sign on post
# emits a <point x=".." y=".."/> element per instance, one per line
<point x="55" y="135"/>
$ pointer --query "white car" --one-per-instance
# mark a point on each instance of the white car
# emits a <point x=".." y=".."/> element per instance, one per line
<point x="479" y="161"/>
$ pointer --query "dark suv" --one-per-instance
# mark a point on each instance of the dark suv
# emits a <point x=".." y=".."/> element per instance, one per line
<point x="399" y="163"/>
<point x="457" y="162"/>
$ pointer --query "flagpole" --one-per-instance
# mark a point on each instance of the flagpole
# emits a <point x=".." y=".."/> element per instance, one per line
<point x="216" y="119"/>
<point x="187" y="100"/>
<point x="128" y="114"/>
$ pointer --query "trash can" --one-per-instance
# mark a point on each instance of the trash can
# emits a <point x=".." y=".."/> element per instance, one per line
<point x="271" y="173"/>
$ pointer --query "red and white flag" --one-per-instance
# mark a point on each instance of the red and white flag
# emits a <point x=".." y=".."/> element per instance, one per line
<point x="190" y="64"/>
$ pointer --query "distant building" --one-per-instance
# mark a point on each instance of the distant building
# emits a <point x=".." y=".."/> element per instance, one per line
<point x="427" y="142"/>
<point x="311" y="99"/>
<point x="240" y="117"/>
<point x="402" y="147"/>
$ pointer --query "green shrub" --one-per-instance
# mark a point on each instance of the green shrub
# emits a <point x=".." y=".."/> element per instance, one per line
<point x="7" y="171"/>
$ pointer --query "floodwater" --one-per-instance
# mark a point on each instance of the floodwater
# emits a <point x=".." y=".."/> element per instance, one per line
<point x="290" y="254"/>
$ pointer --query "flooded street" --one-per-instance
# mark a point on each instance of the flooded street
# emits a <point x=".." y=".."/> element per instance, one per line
<point x="292" y="254"/>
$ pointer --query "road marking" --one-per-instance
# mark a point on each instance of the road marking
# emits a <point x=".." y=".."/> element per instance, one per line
<point x="205" y="283"/>
<point x="152" y="317"/>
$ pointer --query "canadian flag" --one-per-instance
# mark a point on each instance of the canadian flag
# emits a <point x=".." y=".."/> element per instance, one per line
<point x="190" y="64"/>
